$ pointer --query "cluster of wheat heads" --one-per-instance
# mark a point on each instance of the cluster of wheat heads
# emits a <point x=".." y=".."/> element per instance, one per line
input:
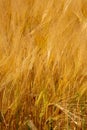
<point x="43" y="64"/>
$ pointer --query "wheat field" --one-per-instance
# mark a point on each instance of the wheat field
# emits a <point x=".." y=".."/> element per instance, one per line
<point x="43" y="67"/>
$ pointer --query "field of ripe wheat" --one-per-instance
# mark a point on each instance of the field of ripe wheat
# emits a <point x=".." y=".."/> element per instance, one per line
<point x="43" y="64"/>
